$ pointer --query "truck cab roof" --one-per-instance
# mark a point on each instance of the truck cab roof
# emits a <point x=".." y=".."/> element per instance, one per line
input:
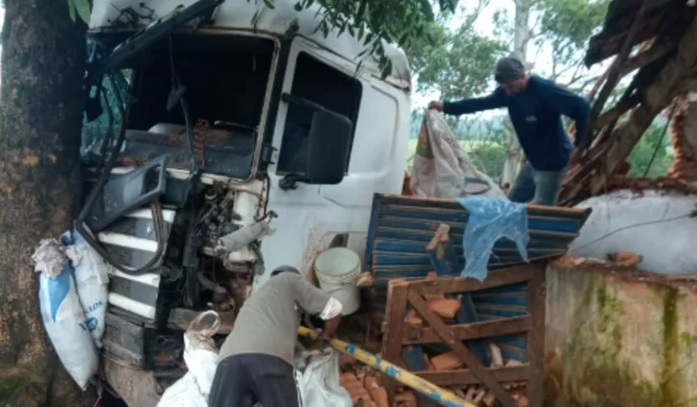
<point x="108" y="15"/>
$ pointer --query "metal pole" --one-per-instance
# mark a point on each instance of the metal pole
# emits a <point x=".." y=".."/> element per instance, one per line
<point x="405" y="377"/>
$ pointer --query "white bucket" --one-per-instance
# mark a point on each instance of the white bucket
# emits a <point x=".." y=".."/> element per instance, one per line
<point x="337" y="270"/>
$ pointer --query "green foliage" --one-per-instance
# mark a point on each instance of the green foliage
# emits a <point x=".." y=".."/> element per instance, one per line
<point x="398" y="21"/>
<point x="79" y="8"/>
<point x="489" y="157"/>
<point x="459" y="63"/>
<point x="649" y="143"/>
<point x="565" y="26"/>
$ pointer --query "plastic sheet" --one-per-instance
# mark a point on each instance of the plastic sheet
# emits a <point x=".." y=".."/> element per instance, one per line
<point x="443" y="169"/>
<point x="488" y="221"/>
<point x="318" y="382"/>
<point x="201" y="357"/>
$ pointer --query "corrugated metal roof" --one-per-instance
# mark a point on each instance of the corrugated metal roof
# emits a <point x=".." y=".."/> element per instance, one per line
<point x="401" y="227"/>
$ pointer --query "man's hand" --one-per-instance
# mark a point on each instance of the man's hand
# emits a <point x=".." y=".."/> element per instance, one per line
<point x="436" y="105"/>
<point x="319" y="346"/>
<point x="324" y="337"/>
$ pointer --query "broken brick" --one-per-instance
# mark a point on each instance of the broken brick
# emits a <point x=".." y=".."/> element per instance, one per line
<point x="346" y="359"/>
<point x="347" y="377"/>
<point x="379" y="396"/>
<point x="357" y="392"/>
<point x="471" y="391"/>
<point x="412" y="318"/>
<point x="432" y="276"/>
<point x="446" y="308"/>
<point x="446" y="361"/>
<point x="625" y="259"/>
<point x="480" y="396"/>
<point x="365" y="280"/>
<point x="489" y="399"/>
<point x="405" y="399"/>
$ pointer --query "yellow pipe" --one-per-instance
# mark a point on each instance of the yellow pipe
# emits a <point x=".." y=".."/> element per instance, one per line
<point x="405" y="377"/>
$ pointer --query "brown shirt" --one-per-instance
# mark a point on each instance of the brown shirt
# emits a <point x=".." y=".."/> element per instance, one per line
<point x="268" y="321"/>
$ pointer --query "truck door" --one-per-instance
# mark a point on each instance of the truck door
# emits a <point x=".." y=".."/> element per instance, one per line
<point x="311" y="215"/>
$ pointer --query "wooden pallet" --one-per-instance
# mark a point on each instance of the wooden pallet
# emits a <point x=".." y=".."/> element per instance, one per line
<point x="460" y="337"/>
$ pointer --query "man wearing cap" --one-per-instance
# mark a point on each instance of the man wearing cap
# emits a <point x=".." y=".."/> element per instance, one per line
<point x="256" y="359"/>
<point x="535" y="106"/>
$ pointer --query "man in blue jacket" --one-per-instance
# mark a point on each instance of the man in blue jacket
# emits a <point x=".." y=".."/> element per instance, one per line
<point x="535" y="106"/>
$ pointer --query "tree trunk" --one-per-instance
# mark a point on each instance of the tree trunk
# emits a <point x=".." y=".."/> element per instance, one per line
<point x="40" y="185"/>
<point x="521" y="37"/>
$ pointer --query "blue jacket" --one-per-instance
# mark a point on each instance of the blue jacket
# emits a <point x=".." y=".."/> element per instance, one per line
<point x="536" y="116"/>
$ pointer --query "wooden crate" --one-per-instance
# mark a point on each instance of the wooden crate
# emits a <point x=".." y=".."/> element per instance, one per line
<point x="462" y="338"/>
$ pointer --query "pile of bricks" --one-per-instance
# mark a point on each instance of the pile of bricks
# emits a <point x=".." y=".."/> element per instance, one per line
<point x="361" y="383"/>
<point x="477" y="394"/>
<point x="481" y="397"/>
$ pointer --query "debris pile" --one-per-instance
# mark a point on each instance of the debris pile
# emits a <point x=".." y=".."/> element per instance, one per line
<point x="617" y="259"/>
<point x="363" y="385"/>
<point x="364" y="389"/>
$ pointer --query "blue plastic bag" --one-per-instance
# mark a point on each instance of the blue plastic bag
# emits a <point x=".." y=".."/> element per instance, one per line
<point x="488" y="221"/>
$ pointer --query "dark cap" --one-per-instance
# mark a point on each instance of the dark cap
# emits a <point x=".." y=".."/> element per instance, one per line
<point x="509" y="69"/>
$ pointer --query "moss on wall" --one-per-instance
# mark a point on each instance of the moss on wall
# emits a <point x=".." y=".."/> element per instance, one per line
<point x="8" y="388"/>
<point x="595" y="372"/>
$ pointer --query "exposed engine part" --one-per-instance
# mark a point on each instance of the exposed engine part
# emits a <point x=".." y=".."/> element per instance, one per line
<point x="241" y="238"/>
<point x="220" y="294"/>
<point x="217" y="217"/>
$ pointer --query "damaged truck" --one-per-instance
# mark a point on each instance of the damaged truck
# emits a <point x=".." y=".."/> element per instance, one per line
<point x="223" y="139"/>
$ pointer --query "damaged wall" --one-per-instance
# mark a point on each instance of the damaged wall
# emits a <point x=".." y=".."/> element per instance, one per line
<point x="685" y="139"/>
<point x="615" y="338"/>
<point x="657" y="224"/>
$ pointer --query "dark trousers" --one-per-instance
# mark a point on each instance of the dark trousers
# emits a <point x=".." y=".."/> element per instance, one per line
<point x="244" y="380"/>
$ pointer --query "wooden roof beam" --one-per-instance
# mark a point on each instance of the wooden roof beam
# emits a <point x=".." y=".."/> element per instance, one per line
<point x="614" y="74"/>
<point x="652" y="54"/>
<point x="655" y="97"/>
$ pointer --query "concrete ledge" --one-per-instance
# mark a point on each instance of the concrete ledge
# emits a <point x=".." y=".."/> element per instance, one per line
<point x="620" y="338"/>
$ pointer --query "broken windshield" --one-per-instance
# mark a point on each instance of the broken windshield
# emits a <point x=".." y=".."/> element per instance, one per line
<point x="224" y="79"/>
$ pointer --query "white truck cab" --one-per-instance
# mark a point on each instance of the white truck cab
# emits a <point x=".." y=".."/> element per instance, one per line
<point x="244" y="139"/>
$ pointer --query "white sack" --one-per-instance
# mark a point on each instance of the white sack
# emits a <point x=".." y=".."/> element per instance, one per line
<point x="201" y="357"/>
<point x="91" y="280"/>
<point x="443" y="169"/>
<point x="319" y="384"/>
<point x="62" y="314"/>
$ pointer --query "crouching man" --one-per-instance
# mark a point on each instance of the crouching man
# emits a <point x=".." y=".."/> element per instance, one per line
<point x="256" y="359"/>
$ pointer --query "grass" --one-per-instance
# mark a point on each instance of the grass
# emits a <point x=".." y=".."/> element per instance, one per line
<point x="467" y="145"/>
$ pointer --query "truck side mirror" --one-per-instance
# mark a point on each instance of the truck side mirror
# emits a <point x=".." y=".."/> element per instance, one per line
<point x="328" y="146"/>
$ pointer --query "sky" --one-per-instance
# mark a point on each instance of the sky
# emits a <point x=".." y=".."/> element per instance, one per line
<point x="484" y="26"/>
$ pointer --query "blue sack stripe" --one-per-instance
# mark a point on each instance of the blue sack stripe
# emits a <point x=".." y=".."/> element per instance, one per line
<point x="58" y="289"/>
